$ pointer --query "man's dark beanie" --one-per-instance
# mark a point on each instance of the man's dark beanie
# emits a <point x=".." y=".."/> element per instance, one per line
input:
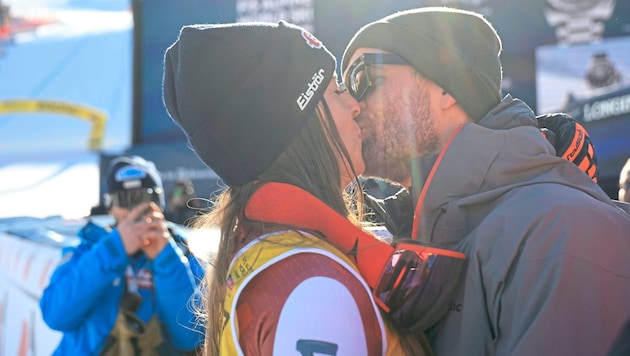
<point x="457" y="49"/>
<point x="241" y="92"/>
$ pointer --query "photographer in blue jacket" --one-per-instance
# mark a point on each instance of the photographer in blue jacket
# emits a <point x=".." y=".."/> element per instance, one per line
<point x="131" y="288"/>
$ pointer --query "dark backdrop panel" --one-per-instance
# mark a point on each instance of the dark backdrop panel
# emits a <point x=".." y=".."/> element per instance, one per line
<point x="521" y="25"/>
<point x="157" y="25"/>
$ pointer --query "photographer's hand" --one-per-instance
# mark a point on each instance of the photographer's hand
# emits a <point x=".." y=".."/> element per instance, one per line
<point x="131" y="228"/>
<point x="155" y="233"/>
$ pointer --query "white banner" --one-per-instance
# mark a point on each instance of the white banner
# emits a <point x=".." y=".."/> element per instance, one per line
<point x="25" y="268"/>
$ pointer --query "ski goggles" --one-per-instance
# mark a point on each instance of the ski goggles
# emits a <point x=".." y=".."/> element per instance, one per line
<point x="132" y="197"/>
<point x="417" y="285"/>
<point x="358" y="77"/>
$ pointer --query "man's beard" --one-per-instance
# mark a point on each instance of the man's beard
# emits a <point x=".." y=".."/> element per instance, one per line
<point x="407" y="131"/>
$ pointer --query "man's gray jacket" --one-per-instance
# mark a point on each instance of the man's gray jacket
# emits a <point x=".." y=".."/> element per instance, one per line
<point x="548" y="269"/>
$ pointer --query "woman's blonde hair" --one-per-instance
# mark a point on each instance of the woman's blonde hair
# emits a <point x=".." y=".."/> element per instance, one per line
<point x="309" y="162"/>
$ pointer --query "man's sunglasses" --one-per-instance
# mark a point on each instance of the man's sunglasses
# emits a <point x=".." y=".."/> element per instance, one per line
<point x="358" y="78"/>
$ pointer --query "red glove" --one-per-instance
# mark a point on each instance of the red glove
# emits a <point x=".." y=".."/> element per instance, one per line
<point x="571" y="141"/>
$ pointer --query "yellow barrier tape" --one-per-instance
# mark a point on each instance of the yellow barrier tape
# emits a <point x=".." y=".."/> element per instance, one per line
<point x="95" y="117"/>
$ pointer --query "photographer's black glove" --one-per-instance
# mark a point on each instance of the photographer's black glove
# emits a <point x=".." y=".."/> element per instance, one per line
<point x="571" y="141"/>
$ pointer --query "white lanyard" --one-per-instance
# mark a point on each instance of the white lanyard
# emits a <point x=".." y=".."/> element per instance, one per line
<point x="132" y="281"/>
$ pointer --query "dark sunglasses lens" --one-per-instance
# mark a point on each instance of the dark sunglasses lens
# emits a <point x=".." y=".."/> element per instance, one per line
<point x="359" y="82"/>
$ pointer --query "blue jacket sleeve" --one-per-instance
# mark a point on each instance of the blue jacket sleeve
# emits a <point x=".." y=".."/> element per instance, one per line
<point x="81" y="279"/>
<point x="177" y="276"/>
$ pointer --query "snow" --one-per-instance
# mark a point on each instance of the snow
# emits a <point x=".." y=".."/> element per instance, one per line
<point x="83" y="58"/>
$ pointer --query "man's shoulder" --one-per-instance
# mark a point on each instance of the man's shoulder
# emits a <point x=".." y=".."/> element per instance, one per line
<point x="574" y="225"/>
<point x="622" y="205"/>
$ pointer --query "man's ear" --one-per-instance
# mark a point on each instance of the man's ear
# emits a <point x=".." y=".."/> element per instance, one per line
<point x="446" y="100"/>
